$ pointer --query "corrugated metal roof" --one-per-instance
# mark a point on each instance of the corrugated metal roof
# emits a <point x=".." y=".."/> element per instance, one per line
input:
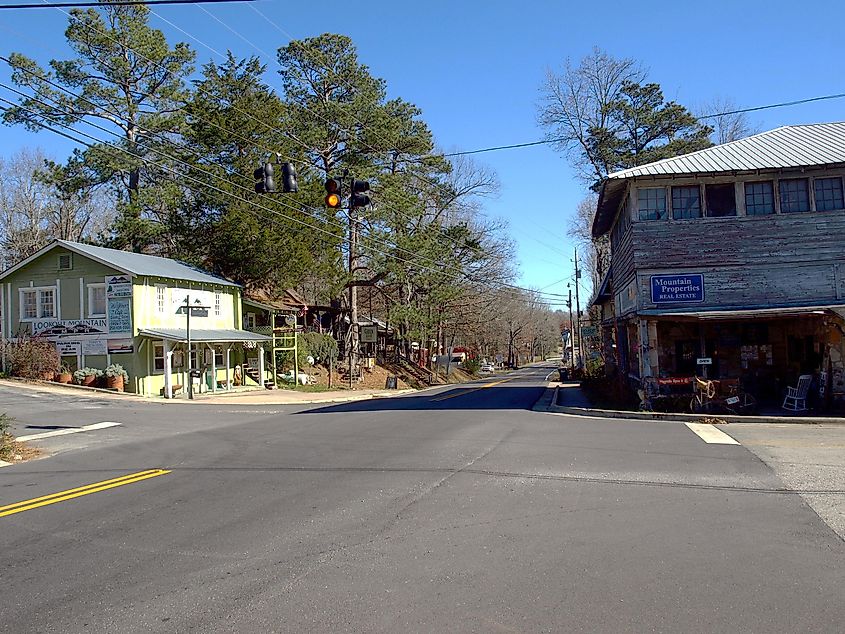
<point x="200" y="335"/>
<point x="785" y="147"/>
<point x="788" y="147"/>
<point x="141" y="264"/>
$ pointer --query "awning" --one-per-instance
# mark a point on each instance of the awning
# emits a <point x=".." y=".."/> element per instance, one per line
<point x="202" y="335"/>
<point x="741" y="313"/>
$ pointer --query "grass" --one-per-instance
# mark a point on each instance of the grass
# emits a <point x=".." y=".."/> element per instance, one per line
<point x="308" y="388"/>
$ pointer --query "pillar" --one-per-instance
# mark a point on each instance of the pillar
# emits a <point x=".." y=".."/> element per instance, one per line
<point x="168" y="370"/>
<point x="261" y="364"/>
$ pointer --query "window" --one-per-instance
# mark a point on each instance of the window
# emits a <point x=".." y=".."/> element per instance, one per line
<point x="29" y="305"/>
<point x="65" y="262"/>
<point x="217" y="303"/>
<point x="759" y="198"/>
<point x="686" y="202"/>
<point x="38" y="303"/>
<point x="794" y="195"/>
<point x="160" y="298"/>
<point x="829" y="194"/>
<point x="96" y="300"/>
<point x="721" y="201"/>
<point x="250" y="320"/>
<point x="158" y="357"/>
<point x="218" y="356"/>
<point x="651" y="203"/>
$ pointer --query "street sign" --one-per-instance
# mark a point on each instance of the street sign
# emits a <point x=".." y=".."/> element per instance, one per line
<point x="369" y="334"/>
<point x="704" y="361"/>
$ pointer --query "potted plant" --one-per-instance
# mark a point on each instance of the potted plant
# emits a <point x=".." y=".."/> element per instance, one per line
<point x="64" y="374"/>
<point x="87" y="376"/>
<point x="116" y="377"/>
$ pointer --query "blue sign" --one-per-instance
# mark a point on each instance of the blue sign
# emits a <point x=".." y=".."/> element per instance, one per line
<point x="677" y="289"/>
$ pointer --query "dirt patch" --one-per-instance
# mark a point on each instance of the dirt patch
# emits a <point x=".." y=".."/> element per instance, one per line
<point x="14" y="451"/>
<point x="371" y="379"/>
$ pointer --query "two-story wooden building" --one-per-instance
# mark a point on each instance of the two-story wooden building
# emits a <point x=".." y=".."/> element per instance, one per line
<point x="103" y="306"/>
<point x="730" y="262"/>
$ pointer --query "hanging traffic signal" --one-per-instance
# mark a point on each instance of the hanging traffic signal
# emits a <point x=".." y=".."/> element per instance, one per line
<point x="289" y="185"/>
<point x="333" y="193"/>
<point x="358" y="197"/>
<point x="264" y="179"/>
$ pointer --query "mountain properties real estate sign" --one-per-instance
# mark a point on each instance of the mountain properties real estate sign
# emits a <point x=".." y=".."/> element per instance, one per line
<point x="686" y="288"/>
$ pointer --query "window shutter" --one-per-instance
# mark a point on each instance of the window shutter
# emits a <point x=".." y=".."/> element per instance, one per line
<point x="65" y="262"/>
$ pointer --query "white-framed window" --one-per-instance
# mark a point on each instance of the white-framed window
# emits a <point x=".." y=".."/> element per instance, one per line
<point x="96" y="300"/>
<point x="250" y="320"/>
<point x="161" y="298"/>
<point x="38" y="303"/>
<point x="217" y="300"/>
<point x="158" y="356"/>
<point x="218" y="356"/>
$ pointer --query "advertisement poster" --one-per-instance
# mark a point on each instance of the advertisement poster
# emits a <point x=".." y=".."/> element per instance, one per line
<point x="63" y="327"/>
<point x="68" y="348"/>
<point x="120" y="316"/>
<point x="118" y="286"/>
<point x="120" y="346"/>
<point x="94" y="346"/>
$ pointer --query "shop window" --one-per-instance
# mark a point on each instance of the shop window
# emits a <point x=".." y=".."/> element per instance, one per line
<point x="651" y="203"/>
<point x="686" y="202"/>
<point x="755" y="334"/>
<point x="686" y="354"/>
<point x="218" y="356"/>
<point x="828" y="194"/>
<point x="759" y="198"/>
<point x="794" y="195"/>
<point x="721" y="200"/>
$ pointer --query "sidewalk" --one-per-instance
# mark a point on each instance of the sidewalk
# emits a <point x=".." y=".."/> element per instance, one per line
<point x="569" y="398"/>
<point x="254" y="397"/>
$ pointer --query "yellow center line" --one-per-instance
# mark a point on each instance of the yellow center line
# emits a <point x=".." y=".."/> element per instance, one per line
<point x="44" y="500"/>
<point x="464" y="392"/>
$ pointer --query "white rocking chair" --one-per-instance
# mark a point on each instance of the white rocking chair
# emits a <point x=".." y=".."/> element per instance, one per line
<point x="796" y="397"/>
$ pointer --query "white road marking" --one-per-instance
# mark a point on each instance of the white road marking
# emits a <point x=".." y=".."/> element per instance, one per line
<point x="5" y="464"/>
<point x="710" y="434"/>
<point x="65" y="432"/>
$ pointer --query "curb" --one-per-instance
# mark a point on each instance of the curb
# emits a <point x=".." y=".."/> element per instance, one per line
<point x="548" y="403"/>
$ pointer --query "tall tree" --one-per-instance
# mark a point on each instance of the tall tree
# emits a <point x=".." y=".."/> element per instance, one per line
<point x="126" y="75"/>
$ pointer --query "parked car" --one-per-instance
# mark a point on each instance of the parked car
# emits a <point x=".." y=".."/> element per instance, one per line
<point x="487" y="367"/>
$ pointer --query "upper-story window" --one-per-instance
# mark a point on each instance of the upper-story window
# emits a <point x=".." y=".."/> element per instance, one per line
<point x="794" y="195"/>
<point x="217" y="300"/>
<point x="721" y="200"/>
<point x="686" y="202"/>
<point x="96" y="300"/>
<point x="38" y="303"/>
<point x="759" y="198"/>
<point x="161" y="290"/>
<point x="828" y="194"/>
<point x="651" y="203"/>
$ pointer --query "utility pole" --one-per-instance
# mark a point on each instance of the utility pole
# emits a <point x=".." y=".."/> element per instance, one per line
<point x="578" y="308"/>
<point x="571" y="332"/>
<point x="353" y="290"/>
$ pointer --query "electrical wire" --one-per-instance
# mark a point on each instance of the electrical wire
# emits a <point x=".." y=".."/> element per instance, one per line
<point x="117" y="3"/>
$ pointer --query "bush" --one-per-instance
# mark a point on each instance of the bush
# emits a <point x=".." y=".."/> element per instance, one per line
<point x="6" y="439"/>
<point x="32" y="357"/>
<point x="115" y="370"/>
<point x="472" y="366"/>
<point x="80" y="375"/>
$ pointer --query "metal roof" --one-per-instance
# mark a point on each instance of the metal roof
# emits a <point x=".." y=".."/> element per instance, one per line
<point x="141" y="264"/>
<point x="787" y="147"/>
<point x="200" y="335"/>
<point x="741" y="313"/>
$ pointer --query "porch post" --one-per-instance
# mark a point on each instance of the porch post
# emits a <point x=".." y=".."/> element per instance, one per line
<point x="654" y="351"/>
<point x="168" y="369"/>
<point x="213" y="368"/>
<point x="645" y="348"/>
<point x="261" y="364"/>
<point x="228" y="378"/>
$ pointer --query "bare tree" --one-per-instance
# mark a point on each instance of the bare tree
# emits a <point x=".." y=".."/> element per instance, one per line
<point x="576" y="102"/>
<point x="727" y="127"/>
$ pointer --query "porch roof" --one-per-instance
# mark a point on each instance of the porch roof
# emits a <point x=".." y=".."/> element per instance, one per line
<point x="742" y="313"/>
<point x="201" y="335"/>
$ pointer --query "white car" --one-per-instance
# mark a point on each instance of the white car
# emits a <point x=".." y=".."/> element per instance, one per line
<point x="487" y="367"/>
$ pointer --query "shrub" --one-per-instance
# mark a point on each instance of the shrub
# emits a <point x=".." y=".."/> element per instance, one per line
<point x="6" y="439"/>
<point x="32" y="357"/>
<point x="79" y="375"/>
<point x="472" y="366"/>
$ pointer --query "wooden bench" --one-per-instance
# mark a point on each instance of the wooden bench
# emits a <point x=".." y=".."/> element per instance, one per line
<point x="176" y="387"/>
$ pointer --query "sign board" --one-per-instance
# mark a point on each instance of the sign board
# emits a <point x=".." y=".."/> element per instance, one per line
<point x="675" y="380"/>
<point x="120" y="316"/>
<point x="677" y="289"/>
<point x="94" y="346"/>
<point x="369" y="334"/>
<point x="589" y="331"/>
<point x="704" y="361"/>
<point x="68" y="348"/>
<point x="121" y="346"/>
<point x="118" y="286"/>
<point x="198" y="298"/>
<point x="60" y="327"/>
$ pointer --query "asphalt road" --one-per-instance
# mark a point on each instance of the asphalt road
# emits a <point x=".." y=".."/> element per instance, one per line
<point x="456" y="509"/>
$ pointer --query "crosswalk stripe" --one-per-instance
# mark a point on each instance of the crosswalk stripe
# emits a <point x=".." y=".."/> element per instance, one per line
<point x="710" y="434"/>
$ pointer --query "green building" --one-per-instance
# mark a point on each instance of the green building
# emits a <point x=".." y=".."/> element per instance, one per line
<point x="102" y="306"/>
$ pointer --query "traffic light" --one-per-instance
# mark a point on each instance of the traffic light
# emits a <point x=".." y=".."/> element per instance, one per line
<point x="289" y="185"/>
<point x="358" y="197"/>
<point x="333" y="193"/>
<point x="264" y="179"/>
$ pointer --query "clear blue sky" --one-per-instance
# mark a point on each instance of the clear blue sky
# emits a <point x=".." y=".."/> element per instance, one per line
<point x="475" y="68"/>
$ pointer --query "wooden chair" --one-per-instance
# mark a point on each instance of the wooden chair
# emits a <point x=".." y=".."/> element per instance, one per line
<point x="796" y="397"/>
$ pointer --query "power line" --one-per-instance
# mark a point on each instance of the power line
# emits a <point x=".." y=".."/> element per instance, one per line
<point x="116" y="3"/>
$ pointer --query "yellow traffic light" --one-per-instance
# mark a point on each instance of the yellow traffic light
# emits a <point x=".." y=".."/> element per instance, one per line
<point x="333" y="197"/>
<point x="332" y="201"/>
